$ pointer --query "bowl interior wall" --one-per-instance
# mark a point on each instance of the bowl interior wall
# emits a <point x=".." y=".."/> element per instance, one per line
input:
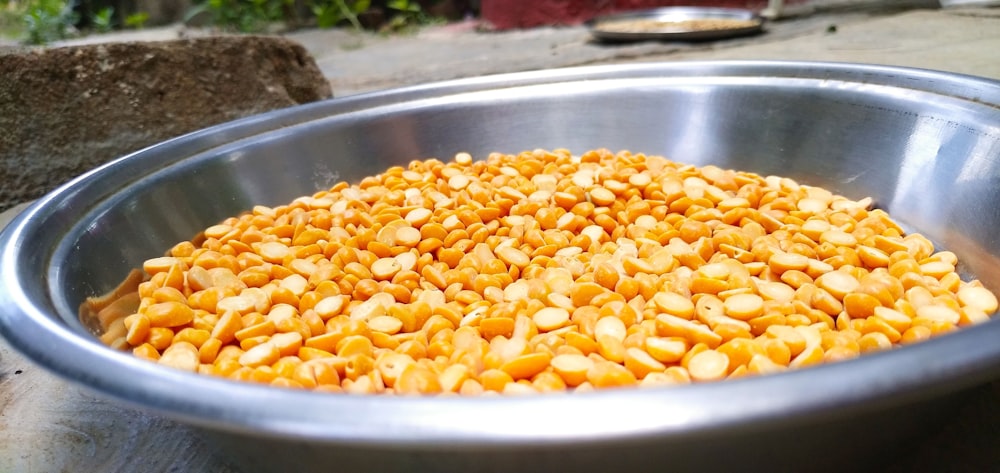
<point x="919" y="157"/>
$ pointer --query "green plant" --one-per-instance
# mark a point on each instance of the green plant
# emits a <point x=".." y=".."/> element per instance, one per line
<point x="49" y="20"/>
<point x="257" y="15"/>
<point x="404" y="7"/>
<point x="102" y="20"/>
<point x="137" y="20"/>
<point x="248" y="15"/>
<point x="11" y="19"/>
<point x="331" y="12"/>
<point x="407" y="14"/>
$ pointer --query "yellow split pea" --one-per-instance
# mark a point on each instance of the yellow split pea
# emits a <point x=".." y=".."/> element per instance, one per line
<point x="539" y="272"/>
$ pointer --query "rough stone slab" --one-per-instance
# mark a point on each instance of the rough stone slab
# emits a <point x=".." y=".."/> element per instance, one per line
<point x="64" y="111"/>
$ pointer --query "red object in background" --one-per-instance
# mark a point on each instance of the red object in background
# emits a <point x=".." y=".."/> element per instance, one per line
<point x="513" y="14"/>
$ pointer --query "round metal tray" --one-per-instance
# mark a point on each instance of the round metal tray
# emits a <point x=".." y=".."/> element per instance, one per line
<point x="676" y="24"/>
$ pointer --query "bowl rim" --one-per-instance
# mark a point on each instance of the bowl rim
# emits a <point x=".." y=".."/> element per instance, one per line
<point x="28" y="323"/>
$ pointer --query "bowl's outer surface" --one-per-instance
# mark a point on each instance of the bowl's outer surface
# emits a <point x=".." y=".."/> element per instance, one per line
<point x="924" y="145"/>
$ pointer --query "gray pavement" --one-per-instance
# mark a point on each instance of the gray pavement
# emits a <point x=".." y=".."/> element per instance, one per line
<point x="956" y="40"/>
<point x="915" y="33"/>
<point x="963" y="41"/>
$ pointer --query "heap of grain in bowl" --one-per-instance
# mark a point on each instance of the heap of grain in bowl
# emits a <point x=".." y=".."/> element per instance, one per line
<point x="540" y="272"/>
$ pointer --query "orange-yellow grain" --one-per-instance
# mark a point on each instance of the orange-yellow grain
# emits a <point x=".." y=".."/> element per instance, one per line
<point x="536" y="272"/>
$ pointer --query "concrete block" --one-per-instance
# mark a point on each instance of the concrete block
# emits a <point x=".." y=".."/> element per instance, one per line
<point x="64" y="111"/>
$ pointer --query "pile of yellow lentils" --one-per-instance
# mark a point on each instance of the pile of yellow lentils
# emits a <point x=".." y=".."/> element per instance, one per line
<point x="538" y="272"/>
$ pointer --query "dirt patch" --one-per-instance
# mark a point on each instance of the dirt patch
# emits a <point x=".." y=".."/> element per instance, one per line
<point x="64" y="111"/>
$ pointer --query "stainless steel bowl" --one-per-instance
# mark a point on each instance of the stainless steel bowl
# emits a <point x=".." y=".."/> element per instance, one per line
<point x="925" y="145"/>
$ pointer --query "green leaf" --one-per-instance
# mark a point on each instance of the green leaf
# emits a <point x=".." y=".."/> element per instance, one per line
<point x="102" y="20"/>
<point x="361" y="6"/>
<point x="137" y="20"/>
<point x="404" y="5"/>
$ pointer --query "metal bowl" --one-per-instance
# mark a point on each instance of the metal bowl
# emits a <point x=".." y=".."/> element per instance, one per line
<point x="925" y="145"/>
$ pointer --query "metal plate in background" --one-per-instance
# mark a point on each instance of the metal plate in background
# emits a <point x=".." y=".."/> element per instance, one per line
<point x="687" y="24"/>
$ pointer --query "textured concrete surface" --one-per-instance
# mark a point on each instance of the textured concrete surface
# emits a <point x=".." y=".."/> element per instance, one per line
<point x="47" y="424"/>
<point x="965" y="41"/>
<point x="355" y="62"/>
<point x="64" y="111"/>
